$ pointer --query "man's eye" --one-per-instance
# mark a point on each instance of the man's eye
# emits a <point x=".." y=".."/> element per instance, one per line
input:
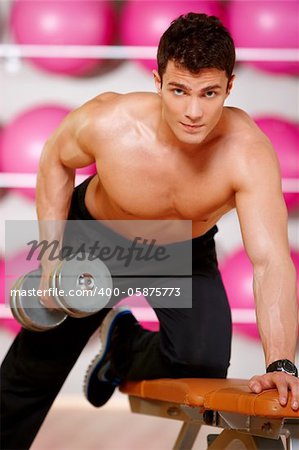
<point x="210" y="94"/>
<point x="178" y="92"/>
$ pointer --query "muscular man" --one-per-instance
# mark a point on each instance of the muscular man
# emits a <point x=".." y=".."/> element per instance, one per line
<point x="171" y="155"/>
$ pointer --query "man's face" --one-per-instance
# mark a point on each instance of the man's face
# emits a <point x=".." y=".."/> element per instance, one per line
<point x="192" y="104"/>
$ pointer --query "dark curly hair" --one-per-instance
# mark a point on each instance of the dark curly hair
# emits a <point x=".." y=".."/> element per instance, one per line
<point x="195" y="42"/>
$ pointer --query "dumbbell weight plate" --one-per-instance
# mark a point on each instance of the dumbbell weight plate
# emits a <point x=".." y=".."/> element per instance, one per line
<point x="28" y="310"/>
<point x="13" y="300"/>
<point x="17" y="309"/>
<point x="73" y="277"/>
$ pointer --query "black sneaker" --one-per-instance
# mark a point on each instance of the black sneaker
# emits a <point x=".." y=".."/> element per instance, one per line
<point x="99" y="383"/>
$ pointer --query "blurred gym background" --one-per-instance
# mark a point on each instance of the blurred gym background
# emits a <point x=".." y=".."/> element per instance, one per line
<point x="56" y="55"/>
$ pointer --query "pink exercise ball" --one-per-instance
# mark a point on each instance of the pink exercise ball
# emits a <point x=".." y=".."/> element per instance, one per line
<point x="56" y="22"/>
<point x="144" y="22"/>
<point x="24" y="138"/>
<point x="266" y="24"/>
<point x="1" y="145"/>
<point x="18" y="264"/>
<point x="284" y="136"/>
<point x="237" y="275"/>
<point x="89" y="170"/>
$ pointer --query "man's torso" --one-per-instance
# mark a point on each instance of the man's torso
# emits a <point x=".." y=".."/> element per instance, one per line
<point x="140" y="177"/>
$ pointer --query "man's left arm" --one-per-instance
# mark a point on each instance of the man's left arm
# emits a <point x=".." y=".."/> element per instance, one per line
<point x="263" y="220"/>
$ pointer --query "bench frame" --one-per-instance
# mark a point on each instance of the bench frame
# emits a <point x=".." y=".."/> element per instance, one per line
<point x="254" y="432"/>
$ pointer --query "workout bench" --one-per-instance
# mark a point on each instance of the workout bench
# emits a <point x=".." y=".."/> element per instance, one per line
<point x="250" y="421"/>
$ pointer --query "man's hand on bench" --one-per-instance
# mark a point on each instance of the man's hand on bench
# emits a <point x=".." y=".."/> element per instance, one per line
<point x="282" y="381"/>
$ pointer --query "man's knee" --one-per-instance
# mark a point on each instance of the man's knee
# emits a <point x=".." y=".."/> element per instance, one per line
<point x="203" y="364"/>
<point x="201" y="360"/>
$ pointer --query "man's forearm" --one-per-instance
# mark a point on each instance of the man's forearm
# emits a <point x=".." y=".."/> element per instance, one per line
<point x="54" y="192"/>
<point x="54" y="189"/>
<point x="277" y="310"/>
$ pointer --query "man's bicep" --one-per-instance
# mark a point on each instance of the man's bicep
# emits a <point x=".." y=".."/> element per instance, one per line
<point x="263" y="216"/>
<point x="66" y="145"/>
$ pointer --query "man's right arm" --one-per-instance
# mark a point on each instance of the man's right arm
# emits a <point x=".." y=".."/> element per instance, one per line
<point x="63" y="153"/>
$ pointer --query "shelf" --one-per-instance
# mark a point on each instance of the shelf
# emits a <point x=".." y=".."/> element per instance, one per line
<point x="12" y="51"/>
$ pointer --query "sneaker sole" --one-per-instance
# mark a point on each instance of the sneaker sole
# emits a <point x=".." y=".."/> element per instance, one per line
<point x="105" y="331"/>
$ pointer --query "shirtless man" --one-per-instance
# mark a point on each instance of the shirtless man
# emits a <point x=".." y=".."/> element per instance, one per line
<point x="175" y="154"/>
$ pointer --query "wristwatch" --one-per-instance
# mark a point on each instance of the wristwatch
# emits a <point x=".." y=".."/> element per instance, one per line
<point x="283" y="365"/>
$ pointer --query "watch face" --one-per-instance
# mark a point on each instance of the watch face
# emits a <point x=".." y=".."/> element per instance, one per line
<point x="288" y="366"/>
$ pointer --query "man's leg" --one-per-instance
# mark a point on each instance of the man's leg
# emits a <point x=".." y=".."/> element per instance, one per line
<point x="34" y="371"/>
<point x="192" y="342"/>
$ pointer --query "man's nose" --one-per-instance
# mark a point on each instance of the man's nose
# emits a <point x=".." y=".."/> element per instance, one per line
<point x="194" y="110"/>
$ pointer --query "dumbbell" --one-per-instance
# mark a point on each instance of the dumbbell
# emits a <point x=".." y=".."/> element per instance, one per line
<point x="91" y="277"/>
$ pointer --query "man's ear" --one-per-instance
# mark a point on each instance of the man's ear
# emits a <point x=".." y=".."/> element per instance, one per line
<point x="158" y="82"/>
<point x="230" y="85"/>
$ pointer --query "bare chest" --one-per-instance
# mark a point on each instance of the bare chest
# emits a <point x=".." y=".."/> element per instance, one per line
<point x="144" y="186"/>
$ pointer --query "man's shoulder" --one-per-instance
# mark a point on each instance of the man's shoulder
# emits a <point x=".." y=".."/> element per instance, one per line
<point x="108" y="105"/>
<point x="130" y="100"/>
<point x="249" y="151"/>
<point x="238" y="121"/>
<point x="244" y="138"/>
<point x="109" y="115"/>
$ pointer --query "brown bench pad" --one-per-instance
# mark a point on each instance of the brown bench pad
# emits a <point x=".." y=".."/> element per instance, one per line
<point x="230" y="395"/>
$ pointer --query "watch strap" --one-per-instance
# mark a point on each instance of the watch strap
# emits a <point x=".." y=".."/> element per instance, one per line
<point x="283" y="365"/>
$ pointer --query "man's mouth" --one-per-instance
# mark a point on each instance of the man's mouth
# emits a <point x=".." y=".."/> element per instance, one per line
<point x="191" y="127"/>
